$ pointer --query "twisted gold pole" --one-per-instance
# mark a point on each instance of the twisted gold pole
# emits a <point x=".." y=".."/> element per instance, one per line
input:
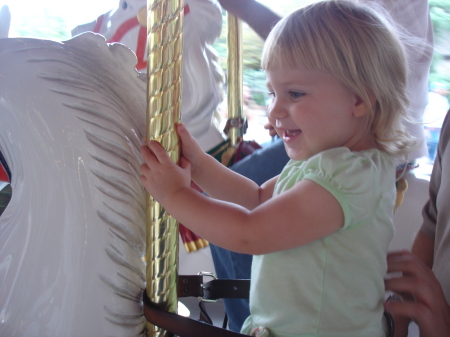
<point x="164" y="27"/>
<point x="234" y="70"/>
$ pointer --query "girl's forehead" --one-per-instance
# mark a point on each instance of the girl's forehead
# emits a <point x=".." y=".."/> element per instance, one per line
<point x="284" y="59"/>
<point x="299" y="72"/>
<point x="301" y="77"/>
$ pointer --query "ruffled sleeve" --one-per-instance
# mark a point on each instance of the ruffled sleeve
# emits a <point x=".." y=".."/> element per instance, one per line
<point x="353" y="178"/>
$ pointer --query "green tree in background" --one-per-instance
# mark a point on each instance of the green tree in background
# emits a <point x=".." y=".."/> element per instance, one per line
<point x="440" y="16"/>
<point x="252" y="49"/>
<point x="252" y="46"/>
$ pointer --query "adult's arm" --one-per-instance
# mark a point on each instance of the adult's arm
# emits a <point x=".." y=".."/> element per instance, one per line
<point x="260" y="18"/>
<point x="422" y="282"/>
<point x="423" y="248"/>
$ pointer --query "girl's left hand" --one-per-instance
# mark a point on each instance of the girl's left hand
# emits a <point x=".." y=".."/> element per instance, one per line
<point x="161" y="177"/>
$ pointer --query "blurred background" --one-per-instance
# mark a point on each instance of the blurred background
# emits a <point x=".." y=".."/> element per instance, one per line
<point x="53" y="19"/>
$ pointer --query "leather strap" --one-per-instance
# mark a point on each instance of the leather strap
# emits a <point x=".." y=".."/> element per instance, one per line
<point x="216" y="289"/>
<point x="190" y="286"/>
<point x="194" y="286"/>
<point x="182" y="326"/>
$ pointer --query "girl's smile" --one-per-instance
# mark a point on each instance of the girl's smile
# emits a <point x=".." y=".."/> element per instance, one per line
<point x="313" y="111"/>
<point x="289" y="135"/>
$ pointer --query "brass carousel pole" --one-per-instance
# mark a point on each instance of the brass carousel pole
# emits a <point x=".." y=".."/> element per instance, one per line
<point x="164" y="27"/>
<point x="236" y="121"/>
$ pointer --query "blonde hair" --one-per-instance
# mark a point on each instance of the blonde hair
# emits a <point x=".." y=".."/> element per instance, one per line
<point x="358" y="46"/>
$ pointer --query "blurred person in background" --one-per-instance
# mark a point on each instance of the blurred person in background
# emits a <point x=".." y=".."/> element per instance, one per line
<point x="434" y="115"/>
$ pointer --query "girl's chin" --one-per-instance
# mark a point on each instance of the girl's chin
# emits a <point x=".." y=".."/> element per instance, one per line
<point x="297" y="155"/>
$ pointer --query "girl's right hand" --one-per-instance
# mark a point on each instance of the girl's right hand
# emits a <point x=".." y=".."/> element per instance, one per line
<point x="190" y="149"/>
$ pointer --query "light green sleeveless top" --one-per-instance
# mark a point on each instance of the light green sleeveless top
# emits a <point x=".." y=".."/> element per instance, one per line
<point x="333" y="286"/>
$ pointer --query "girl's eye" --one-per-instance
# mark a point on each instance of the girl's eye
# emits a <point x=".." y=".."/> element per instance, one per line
<point x="295" y="94"/>
<point x="271" y="94"/>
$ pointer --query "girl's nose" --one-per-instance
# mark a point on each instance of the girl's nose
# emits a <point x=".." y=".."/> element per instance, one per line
<point x="275" y="110"/>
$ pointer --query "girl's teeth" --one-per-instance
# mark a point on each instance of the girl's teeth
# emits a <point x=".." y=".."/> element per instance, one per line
<point x="291" y="133"/>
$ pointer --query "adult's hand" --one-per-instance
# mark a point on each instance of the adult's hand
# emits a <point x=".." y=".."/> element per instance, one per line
<point x="423" y="300"/>
<point x="271" y="129"/>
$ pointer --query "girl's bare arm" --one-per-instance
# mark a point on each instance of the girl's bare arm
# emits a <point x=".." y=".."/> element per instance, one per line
<point x="218" y="181"/>
<point x="301" y="215"/>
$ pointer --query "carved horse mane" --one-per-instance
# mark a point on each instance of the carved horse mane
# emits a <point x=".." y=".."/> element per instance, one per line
<point x="72" y="248"/>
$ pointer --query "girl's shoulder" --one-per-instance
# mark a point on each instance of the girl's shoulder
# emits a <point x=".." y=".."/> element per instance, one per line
<point x="342" y="169"/>
<point x="358" y="180"/>
<point x="341" y="159"/>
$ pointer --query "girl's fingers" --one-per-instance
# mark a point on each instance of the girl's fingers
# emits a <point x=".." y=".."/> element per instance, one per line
<point x="144" y="169"/>
<point x="147" y="155"/>
<point x="181" y="130"/>
<point x="191" y="150"/>
<point x="159" y="153"/>
<point x="185" y="136"/>
<point x="184" y="163"/>
<point x="153" y="149"/>
<point x="143" y="180"/>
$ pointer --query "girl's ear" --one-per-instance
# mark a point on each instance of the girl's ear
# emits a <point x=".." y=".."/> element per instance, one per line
<point x="361" y="108"/>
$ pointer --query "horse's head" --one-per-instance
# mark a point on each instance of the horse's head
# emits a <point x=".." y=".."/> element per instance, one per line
<point x="120" y="24"/>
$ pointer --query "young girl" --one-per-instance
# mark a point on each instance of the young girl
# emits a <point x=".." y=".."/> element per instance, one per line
<point x="320" y="230"/>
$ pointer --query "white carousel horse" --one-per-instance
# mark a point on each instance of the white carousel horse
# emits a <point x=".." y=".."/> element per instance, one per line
<point x="202" y="76"/>
<point x="121" y="24"/>
<point x="72" y="237"/>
